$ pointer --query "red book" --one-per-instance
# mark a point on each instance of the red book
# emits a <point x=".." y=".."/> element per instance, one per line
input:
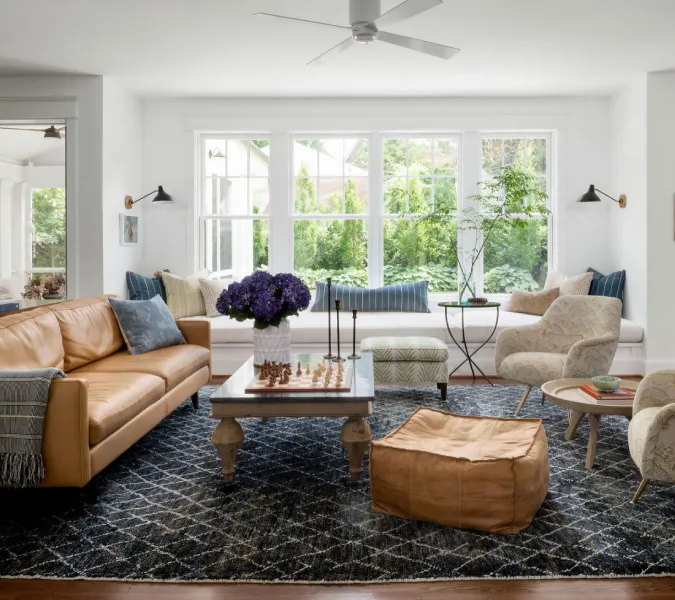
<point x="619" y="394"/>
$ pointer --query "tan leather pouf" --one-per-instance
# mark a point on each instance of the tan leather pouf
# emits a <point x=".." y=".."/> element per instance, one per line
<point x="478" y="473"/>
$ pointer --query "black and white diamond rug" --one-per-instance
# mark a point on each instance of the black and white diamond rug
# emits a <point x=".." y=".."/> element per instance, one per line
<point x="161" y="511"/>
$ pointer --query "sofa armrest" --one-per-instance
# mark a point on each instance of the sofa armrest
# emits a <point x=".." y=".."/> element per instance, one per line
<point x="197" y="333"/>
<point x="516" y="339"/>
<point x="65" y="443"/>
<point x="590" y="357"/>
<point x="656" y="389"/>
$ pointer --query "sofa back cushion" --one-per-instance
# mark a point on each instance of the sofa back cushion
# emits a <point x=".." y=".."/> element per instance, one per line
<point x="31" y="340"/>
<point x="89" y="330"/>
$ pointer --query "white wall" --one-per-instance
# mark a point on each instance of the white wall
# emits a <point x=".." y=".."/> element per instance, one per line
<point x="582" y="139"/>
<point x="628" y="151"/>
<point x="660" y="221"/>
<point x="122" y="176"/>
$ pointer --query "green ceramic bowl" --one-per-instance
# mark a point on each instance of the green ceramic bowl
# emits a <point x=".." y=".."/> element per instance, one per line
<point x="606" y="383"/>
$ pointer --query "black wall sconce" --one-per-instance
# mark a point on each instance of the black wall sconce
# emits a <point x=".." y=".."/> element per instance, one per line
<point x="161" y="197"/>
<point x="591" y="196"/>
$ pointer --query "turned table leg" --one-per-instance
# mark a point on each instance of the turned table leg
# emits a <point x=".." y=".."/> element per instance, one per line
<point x="574" y="421"/>
<point x="227" y="437"/>
<point x="592" y="440"/>
<point x="356" y="438"/>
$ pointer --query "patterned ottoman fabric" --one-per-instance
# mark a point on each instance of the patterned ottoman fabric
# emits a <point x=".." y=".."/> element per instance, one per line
<point x="417" y="349"/>
<point x="411" y="372"/>
<point x="481" y="473"/>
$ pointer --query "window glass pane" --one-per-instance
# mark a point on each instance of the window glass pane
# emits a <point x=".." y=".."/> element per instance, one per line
<point x="417" y="249"/>
<point x="331" y="248"/>
<point x="235" y="247"/>
<point x="514" y="153"/>
<point x="356" y="196"/>
<point x="445" y="157"/>
<point x="215" y="161"/>
<point x="49" y="221"/>
<point x="330" y="195"/>
<point x="492" y="157"/>
<point x="305" y="196"/>
<point x="419" y="157"/>
<point x="395" y="162"/>
<point x="445" y="194"/>
<point x="516" y="256"/>
<point x="419" y="195"/>
<point x="396" y="196"/>
<point x="260" y="196"/>
<point x="260" y="158"/>
<point x="536" y="157"/>
<point x="237" y="158"/>
<point x="331" y="157"/>
<point x="356" y="157"/>
<point x="306" y="158"/>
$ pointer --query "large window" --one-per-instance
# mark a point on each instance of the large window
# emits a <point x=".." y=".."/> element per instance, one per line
<point x="351" y="207"/>
<point x="517" y="257"/>
<point x="234" y="209"/>
<point x="330" y="209"/>
<point x="48" y="247"/>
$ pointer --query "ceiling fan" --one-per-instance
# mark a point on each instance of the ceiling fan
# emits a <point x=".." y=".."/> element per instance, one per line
<point x="367" y="21"/>
<point x="51" y="131"/>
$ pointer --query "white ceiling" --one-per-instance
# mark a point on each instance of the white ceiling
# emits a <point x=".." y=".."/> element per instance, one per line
<point x="24" y="146"/>
<point x="216" y="48"/>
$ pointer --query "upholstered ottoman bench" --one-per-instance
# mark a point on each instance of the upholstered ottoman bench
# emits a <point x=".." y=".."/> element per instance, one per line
<point x="409" y="360"/>
<point x="478" y="473"/>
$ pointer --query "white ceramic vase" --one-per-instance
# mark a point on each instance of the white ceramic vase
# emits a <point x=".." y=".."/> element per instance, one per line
<point x="272" y="344"/>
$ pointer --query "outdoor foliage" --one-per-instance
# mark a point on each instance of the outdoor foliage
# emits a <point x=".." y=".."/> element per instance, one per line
<point x="49" y="220"/>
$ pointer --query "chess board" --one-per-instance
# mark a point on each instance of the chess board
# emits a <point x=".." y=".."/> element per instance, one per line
<point x="302" y="383"/>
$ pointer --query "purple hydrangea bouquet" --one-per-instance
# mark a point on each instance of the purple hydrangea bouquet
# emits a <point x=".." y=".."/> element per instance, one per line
<point x="265" y="298"/>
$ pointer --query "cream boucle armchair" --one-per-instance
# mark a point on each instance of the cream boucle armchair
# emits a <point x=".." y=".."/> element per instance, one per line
<point x="576" y="337"/>
<point x="651" y="433"/>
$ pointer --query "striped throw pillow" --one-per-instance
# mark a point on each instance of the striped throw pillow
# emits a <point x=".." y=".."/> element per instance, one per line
<point x="611" y="285"/>
<point x="184" y="295"/>
<point x="401" y="297"/>
<point x="144" y="288"/>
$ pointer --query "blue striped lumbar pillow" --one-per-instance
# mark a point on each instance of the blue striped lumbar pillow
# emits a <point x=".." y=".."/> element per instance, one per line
<point x="402" y="297"/>
<point x="144" y="288"/>
<point x="607" y="285"/>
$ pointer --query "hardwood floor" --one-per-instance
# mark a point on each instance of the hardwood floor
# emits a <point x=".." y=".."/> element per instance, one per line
<point x="654" y="588"/>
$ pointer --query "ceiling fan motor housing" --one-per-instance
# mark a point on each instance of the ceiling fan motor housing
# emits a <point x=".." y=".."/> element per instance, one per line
<point x="364" y="11"/>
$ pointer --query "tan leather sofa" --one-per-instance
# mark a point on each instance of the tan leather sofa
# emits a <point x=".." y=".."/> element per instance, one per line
<point x="110" y="399"/>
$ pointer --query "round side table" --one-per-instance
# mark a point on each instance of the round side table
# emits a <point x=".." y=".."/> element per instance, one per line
<point x="462" y="344"/>
<point x="565" y="393"/>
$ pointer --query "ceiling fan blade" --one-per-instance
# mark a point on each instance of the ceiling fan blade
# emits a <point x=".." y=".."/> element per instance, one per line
<point x="300" y="20"/>
<point x="404" y="11"/>
<point x="431" y="48"/>
<point x="341" y="47"/>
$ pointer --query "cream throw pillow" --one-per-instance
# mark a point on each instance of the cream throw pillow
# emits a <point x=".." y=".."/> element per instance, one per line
<point x="211" y="290"/>
<point x="532" y="303"/>
<point x="578" y="285"/>
<point x="184" y="295"/>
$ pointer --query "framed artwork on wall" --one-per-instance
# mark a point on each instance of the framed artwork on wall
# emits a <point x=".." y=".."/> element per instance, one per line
<point x="128" y="230"/>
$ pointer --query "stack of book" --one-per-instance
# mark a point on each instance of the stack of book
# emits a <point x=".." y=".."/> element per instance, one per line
<point x="619" y="397"/>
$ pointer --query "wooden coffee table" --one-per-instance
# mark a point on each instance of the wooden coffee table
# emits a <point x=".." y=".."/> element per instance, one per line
<point x="565" y="393"/>
<point x="230" y="402"/>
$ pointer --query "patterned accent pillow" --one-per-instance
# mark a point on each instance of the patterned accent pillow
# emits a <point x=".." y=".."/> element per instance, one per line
<point x="211" y="290"/>
<point x="577" y="285"/>
<point x="145" y="288"/>
<point x="184" y="295"/>
<point x="611" y="285"/>
<point x="532" y="303"/>
<point x="402" y="297"/>
<point x="146" y="325"/>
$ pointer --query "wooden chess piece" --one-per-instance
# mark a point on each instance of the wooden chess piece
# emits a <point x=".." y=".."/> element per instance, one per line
<point x="299" y="371"/>
<point x="307" y="370"/>
<point x="270" y="382"/>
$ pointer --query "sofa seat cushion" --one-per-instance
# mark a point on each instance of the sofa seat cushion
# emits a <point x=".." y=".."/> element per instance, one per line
<point x="173" y="364"/>
<point x="533" y="368"/>
<point x="116" y="398"/>
<point x="312" y="328"/>
<point x="406" y="349"/>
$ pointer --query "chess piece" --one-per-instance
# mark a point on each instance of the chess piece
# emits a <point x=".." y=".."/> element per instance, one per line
<point x="315" y="377"/>
<point x="270" y="382"/>
<point x="299" y="371"/>
<point x="307" y="371"/>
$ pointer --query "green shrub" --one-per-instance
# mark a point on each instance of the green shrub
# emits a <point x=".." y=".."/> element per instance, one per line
<point x="506" y="278"/>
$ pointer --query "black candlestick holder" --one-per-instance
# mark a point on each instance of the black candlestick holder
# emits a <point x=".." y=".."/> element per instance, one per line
<point x="354" y="355"/>
<point x="338" y="358"/>
<point x="330" y="350"/>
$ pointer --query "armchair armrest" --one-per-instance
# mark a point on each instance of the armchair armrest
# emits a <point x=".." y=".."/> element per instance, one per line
<point x="197" y="333"/>
<point x="516" y="339"/>
<point x="590" y="357"/>
<point x="656" y="389"/>
<point x="65" y="442"/>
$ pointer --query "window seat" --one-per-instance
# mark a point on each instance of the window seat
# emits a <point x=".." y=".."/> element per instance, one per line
<point x="232" y="341"/>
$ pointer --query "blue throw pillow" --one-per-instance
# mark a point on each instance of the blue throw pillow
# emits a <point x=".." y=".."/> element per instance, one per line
<point x="144" y="288"/>
<point x="607" y="285"/>
<point x="402" y="297"/>
<point x="146" y="325"/>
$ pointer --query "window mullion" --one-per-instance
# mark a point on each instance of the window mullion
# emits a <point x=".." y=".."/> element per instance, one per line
<point x="280" y="220"/>
<point x="375" y="211"/>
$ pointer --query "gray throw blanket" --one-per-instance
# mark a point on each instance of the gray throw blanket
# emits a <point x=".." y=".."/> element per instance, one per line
<point x="23" y="406"/>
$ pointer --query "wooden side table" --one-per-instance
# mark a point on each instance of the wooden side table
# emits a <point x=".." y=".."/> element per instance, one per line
<point x="566" y="393"/>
